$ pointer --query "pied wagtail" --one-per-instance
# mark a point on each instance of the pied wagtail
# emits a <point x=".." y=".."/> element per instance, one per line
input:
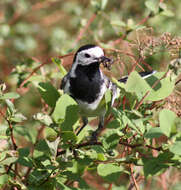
<point x="86" y="83"/>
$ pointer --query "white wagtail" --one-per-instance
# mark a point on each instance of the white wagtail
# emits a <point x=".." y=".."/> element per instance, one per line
<point x="86" y="83"/>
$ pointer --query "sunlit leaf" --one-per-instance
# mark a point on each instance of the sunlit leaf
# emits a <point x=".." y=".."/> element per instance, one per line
<point x="48" y="93"/>
<point x="110" y="172"/>
<point x="167" y="121"/>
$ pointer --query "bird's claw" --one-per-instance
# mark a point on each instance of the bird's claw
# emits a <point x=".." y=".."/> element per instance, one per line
<point x="94" y="137"/>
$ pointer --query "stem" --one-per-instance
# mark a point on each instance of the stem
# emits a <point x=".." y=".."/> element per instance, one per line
<point x="133" y="178"/>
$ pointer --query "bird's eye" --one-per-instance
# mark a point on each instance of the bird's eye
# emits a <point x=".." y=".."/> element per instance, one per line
<point x="86" y="55"/>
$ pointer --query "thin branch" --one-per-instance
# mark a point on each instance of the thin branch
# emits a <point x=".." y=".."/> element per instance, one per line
<point x="88" y="144"/>
<point x="110" y="187"/>
<point x="133" y="178"/>
<point x="117" y="41"/>
<point x="60" y="152"/>
<point x="141" y="101"/>
<point x="138" y="145"/>
<point x="31" y="74"/>
<point x="177" y="82"/>
<point x="148" y="92"/>
<point x="39" y="66"/>
<point x="145" y="19"/>
<point x="83" y="30"/>
<point x="132" y="57"/>
<point x="11" y="130"/>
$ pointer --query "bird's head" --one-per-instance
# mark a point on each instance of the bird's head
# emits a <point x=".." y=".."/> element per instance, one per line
<point x="89" y="54"/>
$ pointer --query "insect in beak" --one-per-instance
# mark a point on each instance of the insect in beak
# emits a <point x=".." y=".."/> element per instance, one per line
<point x="107" y="62"/>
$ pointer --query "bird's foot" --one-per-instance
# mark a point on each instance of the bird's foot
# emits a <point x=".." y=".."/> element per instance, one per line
<point x="94" y="136"/>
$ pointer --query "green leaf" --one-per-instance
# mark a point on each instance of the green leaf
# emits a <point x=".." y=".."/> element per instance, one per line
<point x="111" y="138"/>
<point x="48" y="93"/>
<point x="163" y="88"/>
<point x="2" y="155"/>
<point x="114" y="124"/>
<point x="152" y="5"/>
<point x="153" y="166"/>
<point x="23" y="152"/>
<point x="154" y="132"/>
<point x="125" y="119"/>
<point x="167" y="121"/>
<point x="140" y="86"/>
<point x="137" y="84"/>
<point x="66" y="112"/>
<point x="8" y="161"/>
<point x="50" y="134"/>
<point x="118" y="23"/>
<point x="62" y="186"/>
<point x="25" y="161"/>
<point x="11" y="109"/>
<point x="60" y="66"/>
<point x="108" y="97"/>
<point x="41" y="149"/>
<point x="109" y="172"/>
<point x="100" y="152"/>
<point x="103" y="4"/>
<point x="3" y="179"/>
<point x="176" y="148"/>
<point x="37" y="176"/>
<point x="9" y="95"/>
<point x="53" y="146"/>
<point x="18" y="117"/>
<point x="43" y="118"/>
<point x="165" y="11"/>
<point x="139" y="123"/>
<point x="168" y="13"/>
<point x="68" y="136"/>
<point x="60" y="110"/>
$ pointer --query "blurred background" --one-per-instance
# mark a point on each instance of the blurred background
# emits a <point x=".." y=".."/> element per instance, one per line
<point x="45" y="28"/>
<point x="34" y="31"/>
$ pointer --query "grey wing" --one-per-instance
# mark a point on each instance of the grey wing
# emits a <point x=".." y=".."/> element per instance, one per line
<point x="111" y="86"/>
<point x="115" y="92"/>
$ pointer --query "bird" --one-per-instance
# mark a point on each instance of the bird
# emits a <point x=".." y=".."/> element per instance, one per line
<point x="87" y="84"/>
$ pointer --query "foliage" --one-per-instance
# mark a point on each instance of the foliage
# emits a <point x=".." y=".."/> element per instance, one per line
<point x="141" y="140"/>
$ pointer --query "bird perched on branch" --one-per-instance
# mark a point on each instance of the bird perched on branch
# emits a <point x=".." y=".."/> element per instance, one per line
<point x="86" y="83"/>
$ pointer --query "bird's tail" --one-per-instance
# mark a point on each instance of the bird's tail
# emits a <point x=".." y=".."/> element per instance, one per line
<point x="144" y="74"/>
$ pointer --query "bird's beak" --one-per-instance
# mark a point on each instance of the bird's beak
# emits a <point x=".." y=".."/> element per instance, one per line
<point x="107" y="62"/>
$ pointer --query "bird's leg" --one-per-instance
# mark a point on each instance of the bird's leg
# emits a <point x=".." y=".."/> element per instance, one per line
<point x="85" y="121"/>
<point x="100" y="126"/>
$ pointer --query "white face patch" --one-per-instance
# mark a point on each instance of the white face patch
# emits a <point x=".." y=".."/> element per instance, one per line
<point x="94" y="52"/>
<point x="81" y="59"/>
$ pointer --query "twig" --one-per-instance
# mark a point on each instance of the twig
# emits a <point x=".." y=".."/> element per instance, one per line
<point x="127" y="32"/>
<point x="88" y="144"/>
<point x="83" y="30"/>
<point x="148" y="92"/>
<point x="110" y="186"/>
<point x="133" y="57"/>
<point x="60" y="152"/>
<point x="133" y="178"/>
<point x="130" y="145"/>
<point x="138" y="145"/>
<point x="30" y="75"/>
<point x="141" y="101"/>
<point x="39" y="66"/>
<point x="145" y="19"/>
<point x="177" y="82"/>
<point x="13" y="142"/>
<point x="11" y="130"/>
